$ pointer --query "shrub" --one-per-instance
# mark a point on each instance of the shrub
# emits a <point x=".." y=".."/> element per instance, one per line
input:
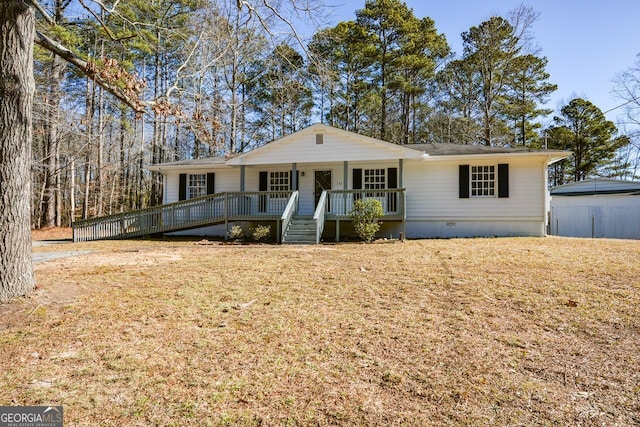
<point x="261" y="233"/>
<point x="235" y="233"/>
<point x="365" y="215"/>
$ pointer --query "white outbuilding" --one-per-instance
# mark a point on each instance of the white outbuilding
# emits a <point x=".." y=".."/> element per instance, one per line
<point x="596" y="208"/>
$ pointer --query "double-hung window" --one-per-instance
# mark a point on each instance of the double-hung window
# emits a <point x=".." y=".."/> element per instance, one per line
<point x="279" y="181"/>
<point x="374" y="179"/>
<point x="483" y="181"/>
<point x="197" y="185"/>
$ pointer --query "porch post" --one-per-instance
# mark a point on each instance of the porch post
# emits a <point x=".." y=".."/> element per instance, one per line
<point x="345" y="186"/>
<point x="345" y="178"/>
<point x="294" y="176"/>
<point x="242" y="178"/>
<point x="402" y="196"/>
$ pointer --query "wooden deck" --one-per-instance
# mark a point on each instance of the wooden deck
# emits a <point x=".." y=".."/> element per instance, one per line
<point x="221" y="208"/>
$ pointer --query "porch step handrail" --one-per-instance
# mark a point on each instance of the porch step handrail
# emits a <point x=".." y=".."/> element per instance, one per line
<point x="319" y="215"/>
<point x="182" y="215"/>
<point x="289" y="211"/>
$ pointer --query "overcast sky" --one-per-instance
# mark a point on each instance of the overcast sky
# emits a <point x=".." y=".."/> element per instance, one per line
<point x="587" y="42"/>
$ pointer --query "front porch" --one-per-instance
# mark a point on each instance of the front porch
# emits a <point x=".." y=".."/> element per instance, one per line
<point x="281" y="207"/>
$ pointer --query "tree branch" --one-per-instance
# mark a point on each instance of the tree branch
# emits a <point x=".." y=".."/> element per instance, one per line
<point x="37" y="6"/>
<point x="51" y="45"/>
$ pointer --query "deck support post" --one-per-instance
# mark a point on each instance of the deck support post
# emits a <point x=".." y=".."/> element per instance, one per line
<point x="337" y="230"/>
<point x="278" y="235"/>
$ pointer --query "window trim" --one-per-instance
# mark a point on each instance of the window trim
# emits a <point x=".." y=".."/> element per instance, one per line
<point x="199" y="187"/>
<point x="488" y="180"/>
<point x="374" y="179"/>
<point x="283" y="183"/>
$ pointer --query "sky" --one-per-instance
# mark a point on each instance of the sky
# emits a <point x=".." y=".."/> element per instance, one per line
<point x="587" y="42"/>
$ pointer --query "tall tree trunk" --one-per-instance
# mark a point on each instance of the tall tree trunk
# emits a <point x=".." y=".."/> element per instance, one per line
<point x="17" y="28"/>
<point x="72" y="191"/>
<point x="100" y="184"/>
<point x="155" y="148"/>
<point x="53" y="141"/>
<point x="90" y="111"/>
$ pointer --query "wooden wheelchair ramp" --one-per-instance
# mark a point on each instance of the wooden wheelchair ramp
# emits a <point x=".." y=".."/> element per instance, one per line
<point x="194" y="213"/>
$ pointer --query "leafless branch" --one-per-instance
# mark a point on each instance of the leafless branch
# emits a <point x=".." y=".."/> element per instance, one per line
<point x="37" y="6"/>
<point x="522" y="19"/>
<point x="103" y="24"/>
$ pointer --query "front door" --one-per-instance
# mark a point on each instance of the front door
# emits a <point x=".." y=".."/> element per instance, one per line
<point x="323" y="182"/>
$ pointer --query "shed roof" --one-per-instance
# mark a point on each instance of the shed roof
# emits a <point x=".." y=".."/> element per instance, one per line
<point x="597" y="186"/>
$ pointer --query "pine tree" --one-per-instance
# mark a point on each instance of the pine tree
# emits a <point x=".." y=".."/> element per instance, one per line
<point x="583" y="129"/>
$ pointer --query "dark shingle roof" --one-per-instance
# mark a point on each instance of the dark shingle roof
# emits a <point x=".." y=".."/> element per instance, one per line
<point x="207" y="161"/>
<point x="437" y="149"/>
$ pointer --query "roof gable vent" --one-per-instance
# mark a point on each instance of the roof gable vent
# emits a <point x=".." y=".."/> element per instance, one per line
<point x="319" y="138"/>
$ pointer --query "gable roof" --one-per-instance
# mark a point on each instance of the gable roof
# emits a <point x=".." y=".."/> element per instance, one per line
<point x="338" y="145"/>
<point x="597" y="186"/>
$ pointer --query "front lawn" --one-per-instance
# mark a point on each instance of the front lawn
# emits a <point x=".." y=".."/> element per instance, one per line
<point x="518" y="331"/>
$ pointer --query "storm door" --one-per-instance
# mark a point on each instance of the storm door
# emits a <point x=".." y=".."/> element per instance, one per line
<point x="323" y="182"/>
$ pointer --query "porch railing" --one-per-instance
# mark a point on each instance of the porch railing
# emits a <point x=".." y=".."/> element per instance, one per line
<point x="340" y="202"/>
<point x="193" y="213"/>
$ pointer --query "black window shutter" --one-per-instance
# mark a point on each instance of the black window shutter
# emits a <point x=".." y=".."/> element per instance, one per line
<point x="463" y="181"/>
<point x="263" y="186"/>
<point x="392" y="182"/>
<point x="182" y="188"/>
<point x="263" y="181"/>
<point x="357" y="179"/>
<point x="392" y="178"/>
<point x="211" y="183"/>
<point x="503" y="180"/>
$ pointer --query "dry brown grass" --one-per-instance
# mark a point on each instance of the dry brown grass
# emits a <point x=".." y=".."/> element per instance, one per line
<point x="433" y="332"/>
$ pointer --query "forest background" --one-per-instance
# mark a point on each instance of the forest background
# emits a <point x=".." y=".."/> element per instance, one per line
<point x="217" y="78"/>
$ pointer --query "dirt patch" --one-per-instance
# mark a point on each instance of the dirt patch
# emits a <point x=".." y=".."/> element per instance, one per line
<point x="63" y="292"/>
<point x="54" y="233"/>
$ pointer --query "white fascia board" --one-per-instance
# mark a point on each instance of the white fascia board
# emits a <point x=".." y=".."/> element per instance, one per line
<point x="169" y="167"/>
<point x="549" y="157"/>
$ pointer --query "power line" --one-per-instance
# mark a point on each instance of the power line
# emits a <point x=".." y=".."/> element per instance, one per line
<point x="635" y="98"/>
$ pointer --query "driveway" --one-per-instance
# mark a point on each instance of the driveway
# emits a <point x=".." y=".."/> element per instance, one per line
<point x="50" y="256"/>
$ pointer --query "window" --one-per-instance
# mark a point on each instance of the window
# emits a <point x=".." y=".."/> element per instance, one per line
<point x="319" y="138"/>
<point x="279" y="181"/>
<point x="197" y="185"/>
<point x="374" y="179"/>
<point x="483" y="181"/>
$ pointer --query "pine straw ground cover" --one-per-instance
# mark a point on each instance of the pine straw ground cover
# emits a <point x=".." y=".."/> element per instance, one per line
<point x="522" y="331"/>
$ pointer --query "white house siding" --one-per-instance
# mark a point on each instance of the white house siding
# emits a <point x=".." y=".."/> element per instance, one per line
<point x="435" y="209"/>
<point x="227" y="179"/>
<point x="598" y="216"/>
<point x="337" y="147"/>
